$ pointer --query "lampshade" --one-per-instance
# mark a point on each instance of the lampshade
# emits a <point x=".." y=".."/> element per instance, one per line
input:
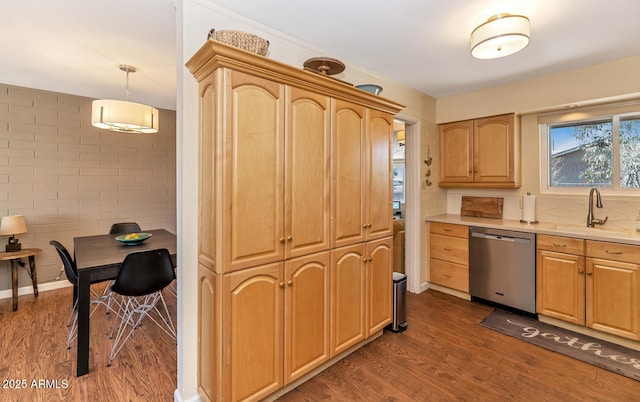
<point x="12" y="225"/>
<point x="123" y="116"/>
<point x="501" y="35"/>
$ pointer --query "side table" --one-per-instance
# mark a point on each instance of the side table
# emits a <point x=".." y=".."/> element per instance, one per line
<point x="16" y="260"/>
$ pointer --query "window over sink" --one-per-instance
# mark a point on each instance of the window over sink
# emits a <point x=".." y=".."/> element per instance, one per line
<point x="595" y="147"/>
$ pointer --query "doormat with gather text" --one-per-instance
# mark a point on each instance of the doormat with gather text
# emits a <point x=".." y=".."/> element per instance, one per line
<point x="600" y="353"/>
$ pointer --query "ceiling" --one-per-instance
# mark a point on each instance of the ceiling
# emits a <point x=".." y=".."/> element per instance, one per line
<point x="75" y="46"/>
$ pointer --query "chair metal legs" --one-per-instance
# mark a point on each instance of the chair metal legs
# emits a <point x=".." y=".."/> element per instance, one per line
<point x="133" y="309"/>
<point x="105" y="299"/>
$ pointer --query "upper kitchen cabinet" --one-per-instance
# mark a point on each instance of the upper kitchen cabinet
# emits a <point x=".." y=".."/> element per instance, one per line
<point x="480" y="153"/>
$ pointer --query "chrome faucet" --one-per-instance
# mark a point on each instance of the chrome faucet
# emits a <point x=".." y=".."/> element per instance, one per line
<point x="591" y="221"/>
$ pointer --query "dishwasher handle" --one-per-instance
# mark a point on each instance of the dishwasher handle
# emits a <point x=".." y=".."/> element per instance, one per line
<point x="500" y="237"/>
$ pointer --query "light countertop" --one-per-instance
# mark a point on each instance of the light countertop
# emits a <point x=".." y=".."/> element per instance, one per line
<point x="601" y="233"/>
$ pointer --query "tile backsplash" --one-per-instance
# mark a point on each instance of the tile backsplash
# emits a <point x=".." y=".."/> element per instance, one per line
<point x="622" y="211"/>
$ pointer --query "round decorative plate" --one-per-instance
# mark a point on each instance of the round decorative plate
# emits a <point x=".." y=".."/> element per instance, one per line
<point x="324" y="65"/>
<point x="133" y="239"/>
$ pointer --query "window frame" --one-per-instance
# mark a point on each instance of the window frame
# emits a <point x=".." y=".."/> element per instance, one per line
<point x="612" y="112"/>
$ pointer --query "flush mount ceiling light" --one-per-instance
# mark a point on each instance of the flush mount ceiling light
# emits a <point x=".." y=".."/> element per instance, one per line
<point x="124" y="116"/>
<point x="502" y="35"/>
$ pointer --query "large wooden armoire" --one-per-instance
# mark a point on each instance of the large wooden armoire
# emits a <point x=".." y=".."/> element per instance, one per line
<point x="295" y="222"/>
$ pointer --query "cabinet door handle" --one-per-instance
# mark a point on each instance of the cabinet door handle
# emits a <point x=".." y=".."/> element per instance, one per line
<point x="559" y="245"/>
<point x="580" y="271"/>
<point x="364" y="226"/>
<point x="369" y="259"/>
<point x="589" y="273"/>
<point x="447" y="230"/>
<point x="447" y="276"/>
<point x="282" y="240"/>
<point x="289" y="238"/>
<point x="447" y="249"/>
<point x="364" y="259"/>
<point x="614" y="252"/>
<point x="290" y="283"/>
<point x="281" y="284"/>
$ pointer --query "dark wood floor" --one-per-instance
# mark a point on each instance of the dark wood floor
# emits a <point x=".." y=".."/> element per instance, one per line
<point x="444" y="355"/>
<point x="33" y="348"/>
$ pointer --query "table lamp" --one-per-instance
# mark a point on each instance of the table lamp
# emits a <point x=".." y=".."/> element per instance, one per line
<point x="13" y="225"/>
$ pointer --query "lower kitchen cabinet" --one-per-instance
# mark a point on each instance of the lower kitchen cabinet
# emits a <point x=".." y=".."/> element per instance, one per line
<point x="449" y="256"/>
<point x="560" y="283"/>
<point x="275" y="325"/>
<point x="379" y="285"/>
<point x="361" y="283"/>
<point x="348" y="290"/>
<point x="612" y="287"/>
<point x="306" y="306"/>
<point x="591" y="283"/>
<point x="252" y="332"/>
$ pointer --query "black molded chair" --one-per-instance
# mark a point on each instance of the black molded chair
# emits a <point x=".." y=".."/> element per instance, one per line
<point x="140" y="281"/>
<point x="124" y="227"/>
<point x="121" y="228"/>
<point x="133" y="227"/>
<point x="71" y="271"/>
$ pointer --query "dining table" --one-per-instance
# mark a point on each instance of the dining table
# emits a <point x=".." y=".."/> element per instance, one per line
<point x="98" y="258"/>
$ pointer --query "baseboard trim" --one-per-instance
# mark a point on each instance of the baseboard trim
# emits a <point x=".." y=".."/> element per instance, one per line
<point x="42" y="287"/>
<point x="452" y="292"/>
<point x="177" y="397"/>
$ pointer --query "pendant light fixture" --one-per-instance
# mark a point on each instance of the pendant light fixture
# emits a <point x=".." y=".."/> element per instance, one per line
<point x="124" y="116"/>
<point x="502" y="35"/>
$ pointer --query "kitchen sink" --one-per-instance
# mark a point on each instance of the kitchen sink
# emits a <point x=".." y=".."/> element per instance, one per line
<point x="592" y="231"/>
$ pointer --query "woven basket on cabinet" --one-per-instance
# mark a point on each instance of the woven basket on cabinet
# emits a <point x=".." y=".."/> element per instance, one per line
<point x="243" y="40"/>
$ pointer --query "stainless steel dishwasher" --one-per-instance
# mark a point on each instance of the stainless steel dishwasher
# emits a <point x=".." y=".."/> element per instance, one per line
<point x="502" y="267"/>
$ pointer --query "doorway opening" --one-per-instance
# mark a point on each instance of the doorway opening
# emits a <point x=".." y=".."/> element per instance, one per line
<point x="406" y="201"/>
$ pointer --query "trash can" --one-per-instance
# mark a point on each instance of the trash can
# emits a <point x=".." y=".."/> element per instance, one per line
<point x="399" y="322"/>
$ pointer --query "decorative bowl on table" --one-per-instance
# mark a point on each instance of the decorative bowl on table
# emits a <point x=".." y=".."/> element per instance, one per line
<point x="133" y="239"/>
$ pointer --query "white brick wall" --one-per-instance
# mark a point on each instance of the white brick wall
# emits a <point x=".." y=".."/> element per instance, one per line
<point x="70" y="179"/>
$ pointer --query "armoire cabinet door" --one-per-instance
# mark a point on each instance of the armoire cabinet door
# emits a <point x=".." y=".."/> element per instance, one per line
<point x="307" y="173"/>
<point x="379" y="284"/>
<point x="252" y="332"/>
<point x="348" y="171"/>
<point x="348" y="291"/>
<point x="306" y="334"/>
<point x="253" y="187"/>
<point x="208" y="336"/>
<point x="379" y="197"/>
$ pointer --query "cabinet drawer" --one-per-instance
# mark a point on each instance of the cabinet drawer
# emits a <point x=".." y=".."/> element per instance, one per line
<point x="613" y="251"/>
<point x="449" y="229"/>
<point x="451" y="275"/>
<point x="560" y="244"/>
<point x="452" y="249"/>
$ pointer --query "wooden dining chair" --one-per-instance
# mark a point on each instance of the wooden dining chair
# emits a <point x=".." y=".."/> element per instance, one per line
<point x="71" y="272"/>
<point x="139" y="284"/>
